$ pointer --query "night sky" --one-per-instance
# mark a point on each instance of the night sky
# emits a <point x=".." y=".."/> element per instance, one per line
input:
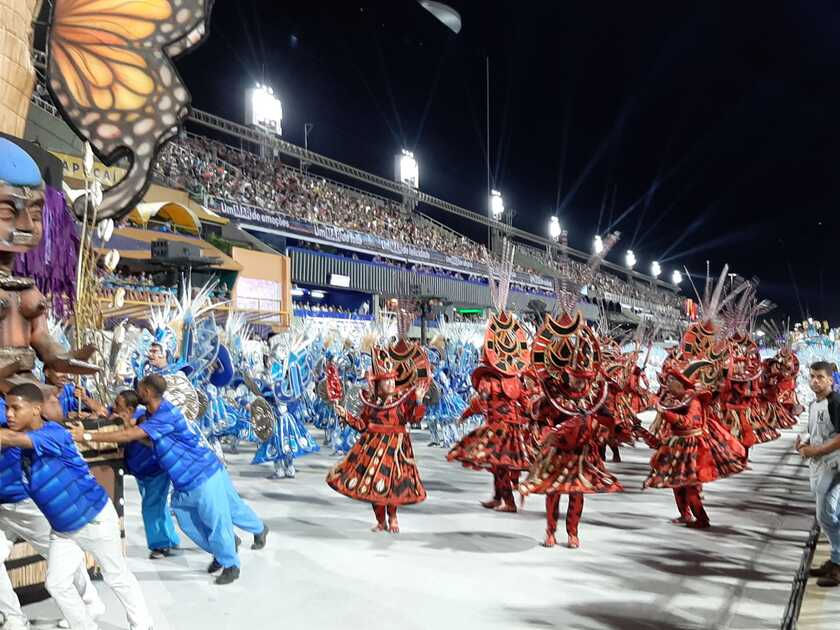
<point x="703" y="131"/>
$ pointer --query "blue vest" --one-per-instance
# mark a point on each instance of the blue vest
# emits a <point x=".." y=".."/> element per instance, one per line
<point x="178" y="450"/>
<point x="59" y="480"/>
<point x="11" y="475"/>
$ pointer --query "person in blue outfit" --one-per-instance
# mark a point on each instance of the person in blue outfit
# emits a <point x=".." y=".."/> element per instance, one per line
<point x="206" y="505"/>
<point x="69" y="395"/>
<point x="80" y="514"/>
<point x="152" y="481"/>
<point x="21" y="518"/>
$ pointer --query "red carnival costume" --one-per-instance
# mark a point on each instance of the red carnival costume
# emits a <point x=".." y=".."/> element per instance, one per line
<point x="380" y="467"/>
<point x="567" y="359"/>
<point x="743" y="412"/>
<point x="774" y="410"/>
<point x="691" y="446"/>
<point x="502" y="444"/>
<point x="787" y="386"/>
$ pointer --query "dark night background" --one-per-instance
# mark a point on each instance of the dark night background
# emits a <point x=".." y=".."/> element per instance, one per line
<point x="705" y="129"/>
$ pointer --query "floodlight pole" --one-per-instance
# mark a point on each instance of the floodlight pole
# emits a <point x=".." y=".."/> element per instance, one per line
<point x="487" y="151"/>
<point x="307" y="127"/>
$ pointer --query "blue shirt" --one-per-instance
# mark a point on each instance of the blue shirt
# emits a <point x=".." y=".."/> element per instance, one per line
<point x="140" y="460"/>
<point x="11" y="475"/>
<point x="59" y="480"/>
<point x="179" y="451"/>
<point x="68" y="400"/>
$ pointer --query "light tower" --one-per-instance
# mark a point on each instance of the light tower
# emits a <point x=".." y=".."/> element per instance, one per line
<point x="407" y="173"/>
<point x="497" y="205"/>
<point x="264" y="110"/>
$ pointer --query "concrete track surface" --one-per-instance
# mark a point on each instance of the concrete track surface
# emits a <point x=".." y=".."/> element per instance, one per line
<point x="459" y="566"/>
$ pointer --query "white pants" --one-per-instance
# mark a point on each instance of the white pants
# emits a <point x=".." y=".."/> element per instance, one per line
<point x="100" y="538"/>
<point x="24" y="520"/>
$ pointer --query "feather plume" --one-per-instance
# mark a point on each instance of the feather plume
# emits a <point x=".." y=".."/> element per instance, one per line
<point x="499" y="275"/>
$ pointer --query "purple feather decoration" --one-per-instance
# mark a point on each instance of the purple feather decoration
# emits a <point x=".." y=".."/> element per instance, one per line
<point x="53" y="263"/>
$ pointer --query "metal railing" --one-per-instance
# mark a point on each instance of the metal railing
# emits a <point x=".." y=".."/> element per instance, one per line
<point x="800" y="581"/>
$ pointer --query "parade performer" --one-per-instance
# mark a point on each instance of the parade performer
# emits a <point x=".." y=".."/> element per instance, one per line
<point x="21" y="518"/>
<point x="380" y="468"/>
<point x="501" y="444"/>
<point x="787" y="385"/>
<point x="566" y="359"/>
<point x="773" y="408"/>
<point x="744" y="414"/>
<point x="152" y="481"/>
<point x="692" y="449"/>
<point x="326" y="418"/>
<point x="205" y="503"/>
<point x="289" y="438"/>
<point x="82" y="517"/>
<point x="352" y="375"/>
<point x="445" y="406"/>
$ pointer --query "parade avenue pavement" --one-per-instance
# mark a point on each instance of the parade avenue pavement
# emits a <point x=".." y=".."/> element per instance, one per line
<point x="462" y="567"/>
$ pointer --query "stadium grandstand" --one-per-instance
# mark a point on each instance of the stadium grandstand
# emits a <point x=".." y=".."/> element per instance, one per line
<point x="269" y="195"/>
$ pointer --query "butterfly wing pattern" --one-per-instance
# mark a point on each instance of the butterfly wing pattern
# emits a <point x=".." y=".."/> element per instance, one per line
<point x="110" y="71"/>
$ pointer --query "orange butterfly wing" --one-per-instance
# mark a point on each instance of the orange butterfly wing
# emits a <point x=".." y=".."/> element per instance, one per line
<point x="110" y="72"/>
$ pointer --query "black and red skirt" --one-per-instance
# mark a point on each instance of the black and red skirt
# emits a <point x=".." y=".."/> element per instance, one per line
<point x="557" y="469"/>
<point x="380" y="469"/>
<point x="684" y="459"/>
<point x="498" y="444"/>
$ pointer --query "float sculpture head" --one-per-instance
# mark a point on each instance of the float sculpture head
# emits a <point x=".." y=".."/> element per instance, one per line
<point x="21" y="202"/>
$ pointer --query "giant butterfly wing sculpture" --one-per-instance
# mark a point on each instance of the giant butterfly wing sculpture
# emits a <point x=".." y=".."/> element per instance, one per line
<point x="110" y="72"/>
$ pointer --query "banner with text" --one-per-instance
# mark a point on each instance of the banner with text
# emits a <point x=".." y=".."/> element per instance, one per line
<point x="341" y="236"/>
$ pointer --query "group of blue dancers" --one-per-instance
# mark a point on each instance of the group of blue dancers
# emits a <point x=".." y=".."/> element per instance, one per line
<point x="293" y="383"/>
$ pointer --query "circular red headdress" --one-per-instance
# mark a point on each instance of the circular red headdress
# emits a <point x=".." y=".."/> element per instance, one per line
<point x="506" y="345"/>
<point x="411" y="364"/>
<point x="567" y="349"/>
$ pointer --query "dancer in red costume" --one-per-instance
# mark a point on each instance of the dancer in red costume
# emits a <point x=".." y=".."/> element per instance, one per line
<point x="567" y="359"/>
<point x="617" y="409"/>
<point x="776" y="413"/>
<point x="501" y="444"/>
<point x="743" y="412"/>
<point x="787" y="386"/>
<point x="691" y="448"/>
<point x="380" y="468"/>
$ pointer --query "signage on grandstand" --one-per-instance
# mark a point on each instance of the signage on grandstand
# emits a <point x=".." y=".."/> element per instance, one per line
<point x="334" y="234"/>
<point x="74" y="169"/>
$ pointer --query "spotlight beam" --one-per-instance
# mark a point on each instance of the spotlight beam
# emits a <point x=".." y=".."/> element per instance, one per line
<point x="605" y="143"/>
<point x="726" y="239"/>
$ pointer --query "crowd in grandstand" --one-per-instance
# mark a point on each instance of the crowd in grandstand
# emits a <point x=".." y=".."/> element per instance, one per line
<point x="203" y="166"/>
<point x="143" y="287"/>
<point x="330" y="310"/>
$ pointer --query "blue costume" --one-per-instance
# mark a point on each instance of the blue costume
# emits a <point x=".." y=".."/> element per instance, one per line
<point x="442" y="416"/>
<point x="154" y="485"/>
<point x="11" y="474"/>
<point x="205" y="502"/>
<point x="59" y="481"/>
<point x="290" y="438"/>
